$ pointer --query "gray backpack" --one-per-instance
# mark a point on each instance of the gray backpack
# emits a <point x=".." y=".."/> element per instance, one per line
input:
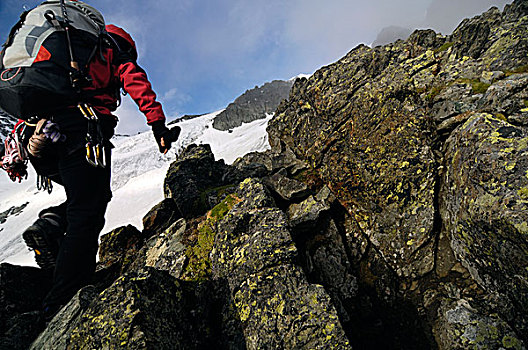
<point x="44" y="62"/>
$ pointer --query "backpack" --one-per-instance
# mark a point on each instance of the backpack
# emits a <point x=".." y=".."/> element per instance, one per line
<point x="44" y="61"/>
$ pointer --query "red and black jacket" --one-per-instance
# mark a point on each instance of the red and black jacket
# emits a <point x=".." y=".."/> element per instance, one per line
<point x="116" y="68"/>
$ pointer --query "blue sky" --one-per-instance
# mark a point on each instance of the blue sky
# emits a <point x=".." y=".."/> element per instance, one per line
<point x="202" y="54"/>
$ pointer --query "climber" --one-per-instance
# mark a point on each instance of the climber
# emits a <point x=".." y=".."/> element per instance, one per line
<point x="70" y="147"/>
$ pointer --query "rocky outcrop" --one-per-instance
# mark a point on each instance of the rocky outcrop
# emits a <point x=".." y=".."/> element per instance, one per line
<point x="390" y="213"/>
<point x="232" y="278"/>
<point x="21" y="292"/>
<point x="424" y="142"/>
<point x="253" y="104"/>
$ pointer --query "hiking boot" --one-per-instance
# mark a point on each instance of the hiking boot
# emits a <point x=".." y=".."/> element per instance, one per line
<point x="43" y="237"/>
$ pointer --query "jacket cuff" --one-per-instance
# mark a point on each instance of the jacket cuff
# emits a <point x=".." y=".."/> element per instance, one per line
<point x="158" y="126"/>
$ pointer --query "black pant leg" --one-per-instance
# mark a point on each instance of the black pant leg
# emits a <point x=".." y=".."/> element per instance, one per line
<point x="88" y="193"/>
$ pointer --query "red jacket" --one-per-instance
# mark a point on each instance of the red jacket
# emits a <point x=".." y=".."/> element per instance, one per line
<point x="112" y="72"/>
<point x="117" y="68"/>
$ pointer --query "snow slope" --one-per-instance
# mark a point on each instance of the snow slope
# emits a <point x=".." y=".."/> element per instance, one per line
<point x="138" y="171"/>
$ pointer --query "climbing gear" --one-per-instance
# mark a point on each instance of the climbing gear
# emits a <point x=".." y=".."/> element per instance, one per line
<point x="44" y="183"/>
<point x="44" y="237"/>
<point x="38" y="142"/>
<point x="45" y="59"/>
<point x="46" y="133"/>
<point x="14" y="160"/>
<point x="95" y="148"/>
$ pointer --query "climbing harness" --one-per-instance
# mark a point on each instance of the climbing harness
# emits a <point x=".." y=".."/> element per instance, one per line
<point x="95" y="149"/>
<point x="14" y="162"/>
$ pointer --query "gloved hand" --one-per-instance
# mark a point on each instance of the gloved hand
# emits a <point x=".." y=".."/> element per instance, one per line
<point x="164" y="136"/>
<point x="52" y="132"/>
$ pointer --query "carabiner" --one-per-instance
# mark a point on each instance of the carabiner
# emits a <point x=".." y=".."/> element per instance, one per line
<point x="100" y="156"/>
<point x="90" y="155"/>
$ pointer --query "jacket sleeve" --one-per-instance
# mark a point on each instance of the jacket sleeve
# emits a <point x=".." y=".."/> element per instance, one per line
<point x="135" y="82"/>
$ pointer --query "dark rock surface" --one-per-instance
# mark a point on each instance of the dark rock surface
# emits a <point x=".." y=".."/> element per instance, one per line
<point x="277" y="306"/>
<point x="423" y="142"/>
<point x="253" y="104"/>
<point x="193" y="180"/>
<point x="22" y="290"/>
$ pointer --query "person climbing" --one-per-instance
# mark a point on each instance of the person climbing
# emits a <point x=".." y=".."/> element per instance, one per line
<point x="70" y="146"/>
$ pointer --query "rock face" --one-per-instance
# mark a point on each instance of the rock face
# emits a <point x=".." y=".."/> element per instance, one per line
<point x="424" y="143"/>
<point x="253" y="104"/>
<point x="21" y="292"/>
<point x="390" y="213"/>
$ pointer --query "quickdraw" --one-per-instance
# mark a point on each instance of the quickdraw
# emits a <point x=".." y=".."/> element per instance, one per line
<point x="44" y="184"/>
<point x="95" y="149"/>
<point x="14" y="161"/>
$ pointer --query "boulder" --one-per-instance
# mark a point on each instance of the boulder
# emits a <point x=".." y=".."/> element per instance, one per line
<point x="307" y="213"/>
<point x="139" y="311"/>
<point x="483" y="205"/>
<point x="119" y="246"/>
<point x="166" y="252"/>
<point x="286" y="188"/>
<point x="195" y="182"/>
<point x="58" y="332"/>
<point x="22" y="290"/>
<point x="275" y="303"/>
<point x="159" y="218"/>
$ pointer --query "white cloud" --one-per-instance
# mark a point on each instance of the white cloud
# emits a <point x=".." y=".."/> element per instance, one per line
<point x="176" y="96"/>
<point x="131" y="120"/>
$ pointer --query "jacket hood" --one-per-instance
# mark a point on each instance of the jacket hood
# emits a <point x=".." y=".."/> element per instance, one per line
<point x="110" y="28"/>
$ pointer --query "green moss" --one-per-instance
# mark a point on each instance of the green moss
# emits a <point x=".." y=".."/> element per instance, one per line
<point x="198" y="267"/>
<point x="201" y="204"/>
<point x="518" y="70"/>
<point x="435" y="91"/>
<point x="479" y="87"/>
<point x="523" y="193"/>
<point x="219" y="211"/>
<point x="444" y="47"/>
<point x="510" y="342"/>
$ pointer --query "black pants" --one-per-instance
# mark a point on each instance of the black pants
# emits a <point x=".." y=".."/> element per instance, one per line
<point x="87" y="195"/>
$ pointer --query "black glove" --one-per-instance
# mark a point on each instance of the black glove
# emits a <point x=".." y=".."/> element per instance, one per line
<point x="164" y="136"/>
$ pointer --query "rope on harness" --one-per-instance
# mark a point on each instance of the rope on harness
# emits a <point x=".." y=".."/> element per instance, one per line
<point x="14" y="161"/>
